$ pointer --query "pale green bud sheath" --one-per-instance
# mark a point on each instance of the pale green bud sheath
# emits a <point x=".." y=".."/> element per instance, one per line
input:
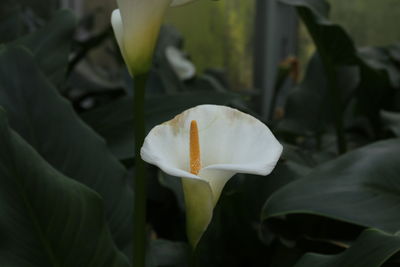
<point x="136" y="27"/>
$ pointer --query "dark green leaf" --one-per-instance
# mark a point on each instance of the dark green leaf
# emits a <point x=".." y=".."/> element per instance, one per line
<point x="333" y="43"/>
<point x="338" y="63"/>
<point x="306" y="106"/>
<point x="51" y="45"/>
<point x="377" y="71"/>
<point x="379" y="59"/>
<point x="46" y="218"/>
<point x="309" y="109"/>
<point x="11" y="24"/>
<point x="371" y="249"/>
<point x="48" y="123"/>
<point x="360" y="187"/>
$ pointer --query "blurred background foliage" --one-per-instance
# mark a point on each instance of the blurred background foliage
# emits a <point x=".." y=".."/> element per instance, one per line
<point x="228" y="26"/>
<point x="369" y="22"/>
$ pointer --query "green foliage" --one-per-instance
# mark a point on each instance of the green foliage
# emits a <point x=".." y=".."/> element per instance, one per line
<point x="309" y="108"/>
<point x="371" y="249"/>
<point x="369" y="22"/>
<point x="51" y="45"/>
<point x="345" y="188"/>
<point x="349" y="96"/>
<point x="47" y="218"/>
<point x="85" y="156"/>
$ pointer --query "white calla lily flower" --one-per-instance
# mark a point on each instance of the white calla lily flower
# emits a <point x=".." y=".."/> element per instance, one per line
<point x="136" y="27"/>
<point x="206" y="146"/>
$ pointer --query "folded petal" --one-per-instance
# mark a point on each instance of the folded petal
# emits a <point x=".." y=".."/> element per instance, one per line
<point x="217" y="180"/>
<point x="118" y="27"/>
<point x="235" y="141"/>
<point x="167" y="146"/>
<point x="199" y="208"/>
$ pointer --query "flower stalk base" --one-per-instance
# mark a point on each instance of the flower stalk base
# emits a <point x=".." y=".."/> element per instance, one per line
<point x="139" y="182"/>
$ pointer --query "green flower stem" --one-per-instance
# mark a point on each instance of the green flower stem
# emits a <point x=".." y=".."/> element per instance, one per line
<point x="338" y="109"/>
<point x="193" y="259"/>
<point x="139" y="182"/>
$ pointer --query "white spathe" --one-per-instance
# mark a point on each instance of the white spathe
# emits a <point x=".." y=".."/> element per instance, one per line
<point x="230" y="142"/>
<point x="136" y="27"/>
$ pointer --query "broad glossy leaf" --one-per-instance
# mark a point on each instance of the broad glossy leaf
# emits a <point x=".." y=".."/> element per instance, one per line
<point x="51" y="45"/>
<point x="46" y="218"/>
<point x="332" y="41"/>
<point x="337" y="49"/>
<point x="11" y="23"/>
<point x="379" y="59"/>
<point x="115" y="120"/>
<point x="48" y="123"/>
<point x="305" y="111"/>
<point x="361" y="187"/>
<point x="308" y="108"/>
<point x="371" y="249"/>
<point x="336" y="77"/>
